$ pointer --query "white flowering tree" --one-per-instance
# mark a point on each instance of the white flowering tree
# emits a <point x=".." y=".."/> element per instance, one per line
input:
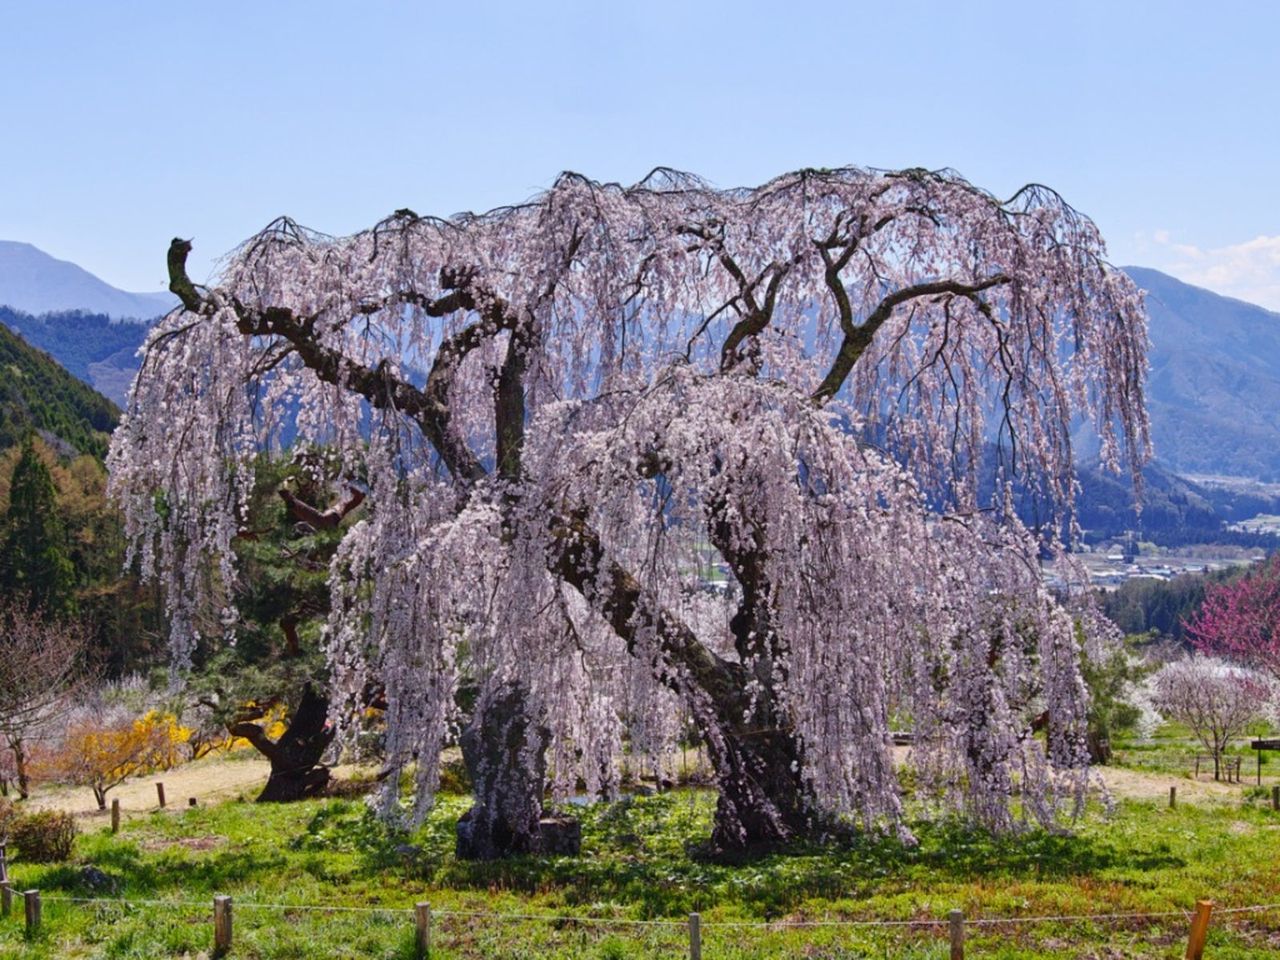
<point x="1213" y="697"/>
<point x="638" y="449"/>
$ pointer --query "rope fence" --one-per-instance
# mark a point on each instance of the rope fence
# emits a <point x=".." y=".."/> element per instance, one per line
<point x="423" y="915"/>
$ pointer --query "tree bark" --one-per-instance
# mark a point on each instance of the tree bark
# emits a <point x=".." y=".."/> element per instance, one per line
<point x="505" y="753"/>
<point x="20" y="768"/>
<point x="296" y="770"/>
<point x="764" y="802"/>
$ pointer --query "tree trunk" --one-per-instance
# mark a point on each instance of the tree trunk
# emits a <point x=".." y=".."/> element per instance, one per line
<point x="100" y="794"/>
<point x="505" y="753"/>
<point x="296" y="770"/>
<point x="764" y="802"/>
<point x="20" y="768"/>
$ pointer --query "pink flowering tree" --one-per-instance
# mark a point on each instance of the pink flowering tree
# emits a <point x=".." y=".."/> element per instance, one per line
<point x="1240" y="619"/>
<point x="1216" y="700"/>
<point x="636" y="452"/>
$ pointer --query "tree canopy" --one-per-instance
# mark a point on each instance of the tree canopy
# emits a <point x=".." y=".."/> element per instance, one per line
<point x="634" y="450"/>
<point x="33" y="547"/>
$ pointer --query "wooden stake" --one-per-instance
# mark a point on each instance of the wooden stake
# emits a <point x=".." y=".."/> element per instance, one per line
<point x="695" y="937"/>
<point x="221" y="925"/>
<point x="956" y="922"/>
<point x="191" y="801"/>
<point x="160" y="793"/>
<point x="422" y="915"/>
<point x="115" y="815"/>
<point x="6" y="898"/>
<point x="1199" y="930"/>
<point x="1275" y="798"/>
<point x="31" y="900"/>
<point x="1173" y="797"/>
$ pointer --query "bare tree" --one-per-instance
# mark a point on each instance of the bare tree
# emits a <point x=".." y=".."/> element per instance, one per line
<point x="45" y="666"/>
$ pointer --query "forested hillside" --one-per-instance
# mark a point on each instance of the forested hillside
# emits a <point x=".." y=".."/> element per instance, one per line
<point x="36" y="393"/>
<point x="1160" y="607"/>
<point x="1175" y="511"/>
<point x="100" y="351"/>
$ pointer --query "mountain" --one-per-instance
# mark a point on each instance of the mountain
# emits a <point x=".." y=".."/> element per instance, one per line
<point x="37" y="393"/>
<point x="34" y="282"/>
<point x="1175" y="510"/>
<point x="98" y="350"/>
<point x="1214" y="389"/>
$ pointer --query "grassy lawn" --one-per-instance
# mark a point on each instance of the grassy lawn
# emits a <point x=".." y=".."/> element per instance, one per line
<point x="332" y="854"/>
<point x="1172" y="749"/>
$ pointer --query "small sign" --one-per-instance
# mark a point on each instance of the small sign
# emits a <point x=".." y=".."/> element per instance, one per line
<point x="1265" y="744"/>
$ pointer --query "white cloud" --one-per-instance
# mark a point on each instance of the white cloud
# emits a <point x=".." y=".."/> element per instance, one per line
<point x="1249" y="270"/>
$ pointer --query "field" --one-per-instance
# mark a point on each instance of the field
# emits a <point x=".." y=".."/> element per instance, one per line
<point x="294" y="871"/>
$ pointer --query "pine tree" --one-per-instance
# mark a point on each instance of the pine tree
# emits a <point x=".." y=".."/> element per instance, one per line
<point x="33" y="558"/>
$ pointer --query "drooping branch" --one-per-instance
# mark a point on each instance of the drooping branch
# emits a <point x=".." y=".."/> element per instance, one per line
<point x="378" y="385"/>
<point x="857" y="340"/>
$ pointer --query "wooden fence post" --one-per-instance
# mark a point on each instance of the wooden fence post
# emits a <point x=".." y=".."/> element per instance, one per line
<point x="31" y="901"/>
<point x="221" y="925"/>
<point x="695" y="937"/>
<point x="4" y="862"/>
<point x="1173" y="797"/>
<point x="160" y="793"/>
<point x="1199" y="930"/>
<point x="1275" y="798"/>
<point x="422" y="916"/>
<point x="6" y="898"/>
<point x="956" y="923"/>
<point x="115" y="815"/>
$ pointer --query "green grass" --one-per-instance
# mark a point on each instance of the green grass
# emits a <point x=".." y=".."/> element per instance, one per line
<point x="1172" y="749"/>
<point x="636" y="866"/>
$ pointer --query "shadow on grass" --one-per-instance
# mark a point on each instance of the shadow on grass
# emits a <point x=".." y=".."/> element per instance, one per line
<point x="638" y="852"/>
<point x="154" y="875"/>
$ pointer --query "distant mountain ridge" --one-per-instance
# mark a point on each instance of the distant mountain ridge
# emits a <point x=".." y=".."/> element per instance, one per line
<point x="1214" y="388"/>
<point x="34" y="282"/>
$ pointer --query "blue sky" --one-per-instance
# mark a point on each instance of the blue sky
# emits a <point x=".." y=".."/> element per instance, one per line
<point x="126" y="123"/>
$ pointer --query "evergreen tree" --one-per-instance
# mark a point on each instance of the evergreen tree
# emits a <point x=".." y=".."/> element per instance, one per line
<point x="33" y="556"/>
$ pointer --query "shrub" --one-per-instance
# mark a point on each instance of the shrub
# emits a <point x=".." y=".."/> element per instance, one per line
<point x="103" y="751"/>
<point x="44" y="837"/>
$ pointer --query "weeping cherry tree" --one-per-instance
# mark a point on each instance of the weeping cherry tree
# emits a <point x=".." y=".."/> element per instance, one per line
<point x="640" y="451"/>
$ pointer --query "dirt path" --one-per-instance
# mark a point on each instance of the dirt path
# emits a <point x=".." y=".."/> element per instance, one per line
<point x="1126" y="783"/>
<point x="216" y="779"/>
<point x="210" y="780"/>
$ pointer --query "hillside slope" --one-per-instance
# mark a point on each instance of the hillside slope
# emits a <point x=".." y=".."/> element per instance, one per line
<point x="1214" y="390"/>
<point x="35" y="392"/>
<point x="99" y="351"/>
